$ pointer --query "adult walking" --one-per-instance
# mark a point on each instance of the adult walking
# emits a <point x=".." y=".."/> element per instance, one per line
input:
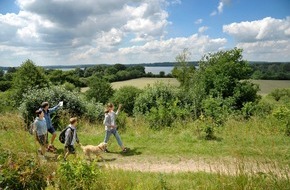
<point x="47" y="111"/>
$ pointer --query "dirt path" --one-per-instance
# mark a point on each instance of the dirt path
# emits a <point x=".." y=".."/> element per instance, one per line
<point x="228" y="166"/>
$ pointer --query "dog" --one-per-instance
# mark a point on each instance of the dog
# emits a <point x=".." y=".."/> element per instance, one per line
<point x="96" y="150"/>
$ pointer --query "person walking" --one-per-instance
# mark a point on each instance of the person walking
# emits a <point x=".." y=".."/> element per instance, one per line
<point x="111" y="126"/>
<point x="40" y="131"/>
<point x="47" y="111"/>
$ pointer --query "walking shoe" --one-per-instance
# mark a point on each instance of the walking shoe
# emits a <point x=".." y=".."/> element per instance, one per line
<point x="125" y="150"/>
<point x="51" y="148"/>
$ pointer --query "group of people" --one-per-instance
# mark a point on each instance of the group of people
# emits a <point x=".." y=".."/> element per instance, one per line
<point x="43" y="125"/>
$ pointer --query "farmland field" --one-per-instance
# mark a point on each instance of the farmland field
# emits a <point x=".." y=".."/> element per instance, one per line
<point x="143" y="82"/>
<point x="266" y="86"/>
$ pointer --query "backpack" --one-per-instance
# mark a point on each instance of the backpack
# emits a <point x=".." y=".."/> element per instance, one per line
<point x="62" y="134"/>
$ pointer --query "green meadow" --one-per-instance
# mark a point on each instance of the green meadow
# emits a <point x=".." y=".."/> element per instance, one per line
<point x="266" y="86"/>
<point x="247" y="154"/>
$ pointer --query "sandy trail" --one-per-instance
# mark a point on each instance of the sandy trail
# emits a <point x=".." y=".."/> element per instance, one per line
<point x="227" y="166"/>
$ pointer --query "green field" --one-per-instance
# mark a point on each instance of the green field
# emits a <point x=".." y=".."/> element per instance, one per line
<point x="266" y="86"/>
<point x="143" y="82"/>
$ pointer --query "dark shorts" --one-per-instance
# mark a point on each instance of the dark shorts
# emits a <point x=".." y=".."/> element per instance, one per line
<point x="70" y="149"/>
<point x="42" y="139"/>
<point x="51" y="130"/>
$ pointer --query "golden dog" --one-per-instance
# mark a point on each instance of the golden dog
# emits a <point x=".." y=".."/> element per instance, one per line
<point x="96" y="150"/>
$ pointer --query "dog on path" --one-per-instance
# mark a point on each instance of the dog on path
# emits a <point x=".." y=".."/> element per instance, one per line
<point x="95" y="150"/>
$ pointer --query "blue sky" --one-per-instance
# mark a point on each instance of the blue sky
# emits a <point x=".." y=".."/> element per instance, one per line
<point x="68" y="32"/>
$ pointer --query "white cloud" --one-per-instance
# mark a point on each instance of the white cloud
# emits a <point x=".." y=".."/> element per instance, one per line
<point x="202" y="29"/>
<point x="220" y="7"/>
<point x="267" y="39"/>
<point x="198" y="21"/>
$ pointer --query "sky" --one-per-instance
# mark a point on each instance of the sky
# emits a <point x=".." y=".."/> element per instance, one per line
<point x="70" y="32"/>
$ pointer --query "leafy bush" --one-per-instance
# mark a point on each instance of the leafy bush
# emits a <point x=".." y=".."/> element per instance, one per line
<point x="121" y="121"/>
<point x="7" y="100"/>
<point x="283" y="113"/>
<point x="217" y="109"/>
<point x="161" y="105"/>
<point x="79" y="174"/>
<point x="28" y="76"/>
<point x="126" y="96"/>
<point x="32" y="100"/>
<point x="263" y="108"/>
<point x="279" y="93"/>
<point x="5" y="85"/>
<point x="20" y="173"/>
<point x="94" y="111"/>
<point x="100" y="90"/>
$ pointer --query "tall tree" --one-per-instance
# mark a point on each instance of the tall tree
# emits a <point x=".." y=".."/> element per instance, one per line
<point x="99" y="90"/>
<point x="28" y="76"/>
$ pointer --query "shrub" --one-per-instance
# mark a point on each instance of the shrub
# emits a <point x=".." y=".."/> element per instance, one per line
<point x="263" y="108"/>
<point x="20" y="173"/>
<point x="161" y="105"/>
<point x="217" y="109"/>
<point x="79" y="174"/>
<point x="5" y="85"/>
<point x="279" y="93"/>
<point x="94" y="111"/>
<point x="121" y="121"/>
<point x="283" y="113"/>
<point x="126" y="96"/>
<point x="32" y="100"/>
<point x="100" y="90"/>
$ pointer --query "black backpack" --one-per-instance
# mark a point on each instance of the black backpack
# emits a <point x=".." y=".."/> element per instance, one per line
<point x="62" y="134"/>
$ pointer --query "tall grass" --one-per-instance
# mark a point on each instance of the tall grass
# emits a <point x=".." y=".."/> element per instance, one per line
<point x="247" y="154"/>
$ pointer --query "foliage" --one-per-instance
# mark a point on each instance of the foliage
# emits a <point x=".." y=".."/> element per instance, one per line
<point x="222" y="72"/>
<point x="217" y="109"/>
<point x="122" y="121"/>
<point x="94" y="111"/>
<point x="20" y="172"/>
<point x="100" y="90"/>
<point x="283" y="113"/>
<point x="79" y="174"/>
<point x="126" y="96"/>
<point x="5" y="85"/>
<point x="183" y="71"/>
<point x="245" y="92"/>
<point x="280" y="93"/>
<point x="7" y="100"/>
<point x="271" y="71"/>
<point x="161" y="104"/>
<point x="28" y="76"/>
<point x="32" y="100"/>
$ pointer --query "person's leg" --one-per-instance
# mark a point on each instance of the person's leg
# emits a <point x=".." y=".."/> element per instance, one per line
<point x="42" y="139"/>
<point x="52" y="138"/>
<point x="118" y="138"/>
<point x="107" y="137"/>
<point x="53" y="133"/>
<point x="69" y="150"/>
<point x="51" y="148"/>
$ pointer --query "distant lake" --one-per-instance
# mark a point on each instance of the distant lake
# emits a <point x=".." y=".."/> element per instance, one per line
<point x="156" y="70"/>
<point x="153" y="70"/>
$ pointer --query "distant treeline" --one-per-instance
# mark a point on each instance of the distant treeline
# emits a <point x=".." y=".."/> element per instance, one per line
<point x="271" y="71"/>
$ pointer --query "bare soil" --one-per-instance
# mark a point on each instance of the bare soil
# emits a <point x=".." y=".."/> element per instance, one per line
<point x="227" y="166"/>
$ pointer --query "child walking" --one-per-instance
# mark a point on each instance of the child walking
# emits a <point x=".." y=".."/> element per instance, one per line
<point x="71" y="137"/>
<point x="40" y="130"/>
<point x="111" y="127"/>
